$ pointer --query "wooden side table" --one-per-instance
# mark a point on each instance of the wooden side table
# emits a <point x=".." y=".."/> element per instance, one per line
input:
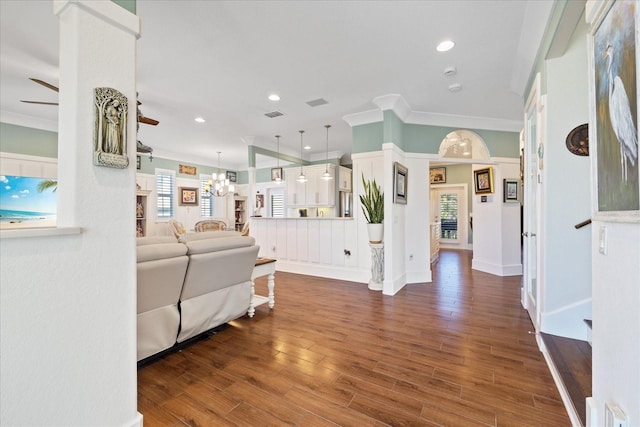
<point x="263" y="267"/>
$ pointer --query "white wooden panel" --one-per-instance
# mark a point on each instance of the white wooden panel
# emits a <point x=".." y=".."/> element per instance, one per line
<point x="50" y="170"/>
<point x="302" y="239"/>
<point x="9" y="167"/>
<point x="281" y="239"/>
<point x="32" y="169"/>
<point x="337" y="243"/>
<point x="324" y="241"/>
<point x="272" y="237"/>
<point x="263" y="238"/>
<point x="351" y="242"/>
<point x="314" y="238"/>
<point x="292" y="239"/>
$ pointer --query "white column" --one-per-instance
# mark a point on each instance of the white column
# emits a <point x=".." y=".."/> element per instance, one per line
<point x="251" y="197"/>
<point x="68" y="302"/>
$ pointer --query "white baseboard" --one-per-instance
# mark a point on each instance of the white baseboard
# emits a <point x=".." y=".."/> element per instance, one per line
<point x="328" y="271"/>
<point x="136" y="422"/>
<point x="592" y="413"/>
<point x="422" y="276"/>
<point x="497" y="269"/>
<point x="392" y="287"/>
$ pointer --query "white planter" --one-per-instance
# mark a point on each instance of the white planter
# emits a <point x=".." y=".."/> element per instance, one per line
<point x="376" y="232"/>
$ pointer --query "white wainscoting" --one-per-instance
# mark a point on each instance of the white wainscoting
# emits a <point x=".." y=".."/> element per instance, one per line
<point x="313" y="246"/>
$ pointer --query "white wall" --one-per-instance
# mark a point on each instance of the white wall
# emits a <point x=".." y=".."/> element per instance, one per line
<point x="68" y="301"/>
<point x="417" y="240"/>
<point x="496" y="226"/>
<point x="566" y="300"/>
<point x="616" y="320"/>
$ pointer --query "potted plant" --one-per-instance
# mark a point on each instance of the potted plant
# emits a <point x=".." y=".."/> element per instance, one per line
<point x="372" y="201"/>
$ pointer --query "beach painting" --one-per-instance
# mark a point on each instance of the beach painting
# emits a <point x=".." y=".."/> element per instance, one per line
<point x="27" y="202"/>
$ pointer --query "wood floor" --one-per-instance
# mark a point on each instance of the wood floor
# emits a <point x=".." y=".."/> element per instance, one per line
<point x="455" y="352"/>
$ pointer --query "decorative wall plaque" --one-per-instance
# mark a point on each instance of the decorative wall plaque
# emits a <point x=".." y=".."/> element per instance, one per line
<point x="110" y="128"/>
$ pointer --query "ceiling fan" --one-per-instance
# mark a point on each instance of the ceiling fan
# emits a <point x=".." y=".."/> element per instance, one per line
<point x="141" y="148"/>
<point x="141" y="118"/>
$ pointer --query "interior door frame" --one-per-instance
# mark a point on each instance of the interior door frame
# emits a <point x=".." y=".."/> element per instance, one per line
<point x="532" y="234"/>
<point x="463" y="213"/>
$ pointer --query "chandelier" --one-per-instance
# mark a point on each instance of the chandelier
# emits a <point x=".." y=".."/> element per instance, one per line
<point x="326" y="175"/>
<point x="218" y="185"/>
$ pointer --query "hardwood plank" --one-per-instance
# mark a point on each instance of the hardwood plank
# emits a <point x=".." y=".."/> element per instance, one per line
<point x="455" y="352"/>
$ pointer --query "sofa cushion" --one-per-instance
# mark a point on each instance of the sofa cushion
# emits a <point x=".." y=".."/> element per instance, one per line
<point x="190" y="237"/>
<point x="215" y="245"/>
<point x="160" y="251"/>
<point x="153" y="240"/>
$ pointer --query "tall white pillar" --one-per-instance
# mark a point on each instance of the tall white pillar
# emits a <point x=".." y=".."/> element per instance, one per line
<point x="68" y="301"/>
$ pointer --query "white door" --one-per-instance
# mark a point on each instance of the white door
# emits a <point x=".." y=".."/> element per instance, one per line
<point x="449" y="207"/>
<point x="533" y="152"/>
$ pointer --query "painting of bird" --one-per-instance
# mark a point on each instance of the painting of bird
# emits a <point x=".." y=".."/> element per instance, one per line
<point x="616" y="159"/>
<point x="621" y="118"/>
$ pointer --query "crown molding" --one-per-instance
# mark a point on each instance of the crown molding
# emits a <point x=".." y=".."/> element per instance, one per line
<point x="394" y="102"/>
<point x="469" y="122"/>
<point x="401" y="108"/>
<point x="364" y="118"/>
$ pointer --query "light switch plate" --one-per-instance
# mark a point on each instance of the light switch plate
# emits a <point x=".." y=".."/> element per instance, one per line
<point x="602" y="246"/>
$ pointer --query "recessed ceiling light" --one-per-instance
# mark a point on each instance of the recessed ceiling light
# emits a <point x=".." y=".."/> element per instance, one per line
<point x="274" y="97"/>
<point x="456" y="87"/>
<point x="307" y="147"/>
<point x="200" y="119"/>
<point x="445" y="46"/>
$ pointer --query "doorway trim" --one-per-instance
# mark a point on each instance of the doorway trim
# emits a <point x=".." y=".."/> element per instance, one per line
<point x="463" y="215"/>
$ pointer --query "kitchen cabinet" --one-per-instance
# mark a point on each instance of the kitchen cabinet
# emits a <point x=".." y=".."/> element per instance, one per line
<point x="316" y="192"/>
<point x="344" y="179"/>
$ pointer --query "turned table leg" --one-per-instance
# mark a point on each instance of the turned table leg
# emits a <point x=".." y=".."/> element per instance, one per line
<point x="271" y="284"/>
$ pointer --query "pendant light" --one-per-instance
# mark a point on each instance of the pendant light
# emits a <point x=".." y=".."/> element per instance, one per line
<point x="219" y="186"/>
<point x="301" y="178"/>
<point x="278" y="178"/>
<point x="326" y="175"/>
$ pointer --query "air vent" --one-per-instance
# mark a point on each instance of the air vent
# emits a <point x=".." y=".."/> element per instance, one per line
<point x="274" y="114"/>
<point x="316" y="102"/>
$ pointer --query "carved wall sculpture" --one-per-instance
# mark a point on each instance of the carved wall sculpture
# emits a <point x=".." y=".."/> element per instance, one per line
<point x="110" y="135"/>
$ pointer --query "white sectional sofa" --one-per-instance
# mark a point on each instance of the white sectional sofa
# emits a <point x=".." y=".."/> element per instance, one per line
<point x="189" y="286"/>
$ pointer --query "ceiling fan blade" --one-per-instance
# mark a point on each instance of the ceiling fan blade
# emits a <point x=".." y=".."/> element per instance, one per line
<point x="45" y="84"/>
<point x="147" y="120"/>
<point x="39" y="102"/>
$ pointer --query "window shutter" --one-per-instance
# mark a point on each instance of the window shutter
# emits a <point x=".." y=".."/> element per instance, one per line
<point x="164" y="188"/>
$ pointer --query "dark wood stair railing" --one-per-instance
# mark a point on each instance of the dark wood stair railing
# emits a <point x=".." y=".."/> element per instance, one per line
<point x="582" y="224"/>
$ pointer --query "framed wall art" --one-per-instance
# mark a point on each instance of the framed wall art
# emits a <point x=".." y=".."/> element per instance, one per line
<point x="613" y="113"/>
<point x="437" y="175"/>
<point x="188" y="196"/>
<point x="511" y="191"/>
<point x="276" y="174"/>
<point x="400" y="182"/>
<point x="231" y="176"/>
<point x="483" y="179"/>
